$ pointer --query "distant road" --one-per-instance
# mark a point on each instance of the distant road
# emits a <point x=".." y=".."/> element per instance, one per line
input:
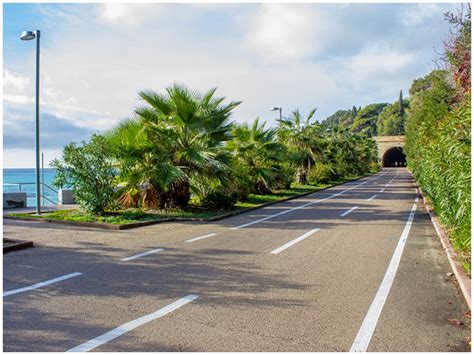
<point x="357" y="267"/>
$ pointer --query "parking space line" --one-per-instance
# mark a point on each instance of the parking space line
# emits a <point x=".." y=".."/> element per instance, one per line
<point x="133" y="257"/>
<point x="294" y="241"/>
<point x="303" y="205"/>
<point x="371" y="198"/>
<point x="348" y="211"/>
<point x="199" y="238"/>
<point x="364" y="336"/>
<point x="41" y="284"/>
<point x="125" y="328"/>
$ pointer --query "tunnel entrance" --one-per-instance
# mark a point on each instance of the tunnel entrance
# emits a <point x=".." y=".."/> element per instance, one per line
<point x="394" y="157"/>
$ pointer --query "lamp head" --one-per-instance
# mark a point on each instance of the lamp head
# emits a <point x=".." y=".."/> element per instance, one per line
<point x="275" y="108"/>
<point x="27" y="35"/>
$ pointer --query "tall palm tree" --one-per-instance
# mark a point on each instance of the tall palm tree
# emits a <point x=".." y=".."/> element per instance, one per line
<point x="303" y="137"/>
<point x="255" y="149"/>
<point x="188" y="131"/>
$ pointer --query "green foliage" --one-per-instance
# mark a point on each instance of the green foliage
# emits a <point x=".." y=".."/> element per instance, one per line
<point x="438" y="143"/>
<point x="366" y="119"/>
<point x="320" y="173"/>
<point x="179" y="133"/>
<point x="256" y="155"/>
<point x="391" y="121"/>
<point x="89" y="171"/>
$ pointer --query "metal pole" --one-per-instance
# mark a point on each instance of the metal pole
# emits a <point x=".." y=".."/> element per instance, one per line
<point x="42" y="176"/>
<point x="38" y="190"/>
<point x="280" y="114"/>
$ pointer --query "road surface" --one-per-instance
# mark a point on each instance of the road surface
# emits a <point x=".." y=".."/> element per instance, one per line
<point x="357" y="267"/>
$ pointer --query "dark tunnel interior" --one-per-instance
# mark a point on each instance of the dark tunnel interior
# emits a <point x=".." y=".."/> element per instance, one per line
<point x="394" y="157"/>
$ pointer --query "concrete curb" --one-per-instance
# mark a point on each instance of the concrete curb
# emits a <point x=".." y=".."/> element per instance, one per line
<point x="172" y="219"/>
<point x="461" y="276"/>
<point x="16" y="245"/>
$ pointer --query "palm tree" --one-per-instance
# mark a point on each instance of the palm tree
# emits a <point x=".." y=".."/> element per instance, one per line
<point x="254" y="148"/>
<point x="187" y="131"/>
<point x="303" y="137"/>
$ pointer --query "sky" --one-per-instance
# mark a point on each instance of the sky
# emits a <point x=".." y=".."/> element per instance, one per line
<point x="96" y="57"/>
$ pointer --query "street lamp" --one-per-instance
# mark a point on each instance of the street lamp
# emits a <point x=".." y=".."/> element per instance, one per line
<point x="276" y="109"/>
<point x="26" y="36"/>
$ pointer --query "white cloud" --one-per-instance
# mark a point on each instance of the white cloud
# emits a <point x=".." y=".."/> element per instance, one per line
<point x="128" y="14"/>
<point x="13" y="82"/>
<point x="416" y="15"/>
<point x="18" y="99"/>
<point x="287" y="31"/>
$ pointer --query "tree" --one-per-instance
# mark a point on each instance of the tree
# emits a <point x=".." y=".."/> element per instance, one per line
<point x="88" y="169"/>
<point x="255" y="151"/>
<point x="366" y="120"/>
<point x="302" y="138"/>
<point x="182" y="133"/>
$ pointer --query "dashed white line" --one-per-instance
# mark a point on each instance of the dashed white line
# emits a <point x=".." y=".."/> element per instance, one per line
<point x="41" y="284"/>
<point x="303" y="205"/>
<point x="382" y="190"/>
<point x="371" y="198"/>
<point x="349" y="211"/>
<point x="294" y="241"/>
<point x="133" y="257"/>
<point x="362" y="340"/>
<point x="199" y="238"/>
<point x="125" y="328"/>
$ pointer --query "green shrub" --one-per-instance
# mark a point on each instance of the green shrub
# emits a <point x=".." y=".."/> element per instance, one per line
<point x="320" y="173"/>
<point x="88" y="170"/>
<point x="219" y="200"/>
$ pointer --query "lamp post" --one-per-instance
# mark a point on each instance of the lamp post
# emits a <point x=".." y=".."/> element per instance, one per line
<point x="27" y="36"/>
<point x="276" y="109"/>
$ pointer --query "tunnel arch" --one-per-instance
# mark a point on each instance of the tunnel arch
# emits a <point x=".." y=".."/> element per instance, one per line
<point x="394" y="156"/>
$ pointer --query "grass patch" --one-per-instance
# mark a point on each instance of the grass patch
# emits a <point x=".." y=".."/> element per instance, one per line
<point x="136" y="215"/>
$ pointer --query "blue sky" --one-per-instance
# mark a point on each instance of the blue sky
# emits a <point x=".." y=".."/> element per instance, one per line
<point x="95" y="57"/>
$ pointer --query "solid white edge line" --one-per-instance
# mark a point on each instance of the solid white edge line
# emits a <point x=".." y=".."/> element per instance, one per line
<point x="348" y="211"/>
<point x="41" y="284"/>
<point x="125" y="328"/>
<point x="294" y="241"/>
<point x="133" y="257"/>
<point x="364" y="336"/>
<point x="199" y="238"/>
<point x="304" y="205"/>
<point x="371" y="198"/>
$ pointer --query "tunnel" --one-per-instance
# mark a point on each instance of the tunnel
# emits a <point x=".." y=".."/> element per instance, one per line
<point x="394" y="157"/>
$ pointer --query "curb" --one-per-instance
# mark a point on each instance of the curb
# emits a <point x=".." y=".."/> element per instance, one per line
<point x="174" y="219"/>
<point x="461" y="276"/>
<point x="17" y="245"/>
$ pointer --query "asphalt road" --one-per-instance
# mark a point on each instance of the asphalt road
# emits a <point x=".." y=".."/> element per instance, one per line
<point x="337" y="270"/>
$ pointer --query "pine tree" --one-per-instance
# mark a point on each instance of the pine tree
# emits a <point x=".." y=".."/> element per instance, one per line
<point x="354" y="111"/>
<point x="400" y="102"/>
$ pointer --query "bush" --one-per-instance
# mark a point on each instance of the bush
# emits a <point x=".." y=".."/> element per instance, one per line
<point x="320" y="173"/>
<point x="87" y="169"/>
<point x="219" y="200"/>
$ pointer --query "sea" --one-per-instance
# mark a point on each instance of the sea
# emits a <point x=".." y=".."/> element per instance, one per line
<point x="24" y="180"/>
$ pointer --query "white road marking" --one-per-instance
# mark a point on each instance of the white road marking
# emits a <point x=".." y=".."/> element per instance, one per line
<point x="199" y="238"/>
<point x="382" y="190"/>
<point x="41" y="284"/>
<point x="303" y="205"/>
<point x="294" y="241"/>
<point x="348" y="211"/>
<point x="386" y="185"/>
<point x="133" y="257"/>
<point x="362" y="340"/>
<point x="125" y="328"/>
<point x="370" y="199"/>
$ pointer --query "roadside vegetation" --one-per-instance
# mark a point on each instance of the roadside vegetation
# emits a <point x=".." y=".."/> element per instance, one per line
<point x="181" y="154"/>
<point x="438" y="135"/>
